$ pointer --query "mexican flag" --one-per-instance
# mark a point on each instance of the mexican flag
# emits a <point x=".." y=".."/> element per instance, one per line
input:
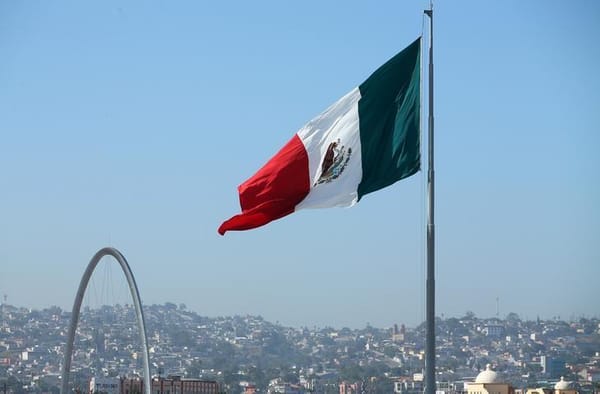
<point x="366" y="141"/>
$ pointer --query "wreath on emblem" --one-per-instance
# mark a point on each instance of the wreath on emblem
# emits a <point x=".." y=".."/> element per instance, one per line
<point x="335" y="160"/>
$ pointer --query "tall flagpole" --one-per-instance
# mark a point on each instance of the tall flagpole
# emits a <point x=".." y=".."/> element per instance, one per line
<point x="430" y="387"/>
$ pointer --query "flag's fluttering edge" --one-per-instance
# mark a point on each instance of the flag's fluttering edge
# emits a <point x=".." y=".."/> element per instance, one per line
<point x="365" y="141"/>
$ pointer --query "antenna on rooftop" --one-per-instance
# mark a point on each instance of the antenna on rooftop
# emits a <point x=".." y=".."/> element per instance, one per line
<point x="498" y="307"/>
<point x="2" y="315"/>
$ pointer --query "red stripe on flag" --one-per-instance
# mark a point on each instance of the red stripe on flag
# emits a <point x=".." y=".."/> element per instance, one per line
<point x="274" y="191"/>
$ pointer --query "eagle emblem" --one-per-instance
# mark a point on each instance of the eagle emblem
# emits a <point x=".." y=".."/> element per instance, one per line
<point x="335" y="160"/>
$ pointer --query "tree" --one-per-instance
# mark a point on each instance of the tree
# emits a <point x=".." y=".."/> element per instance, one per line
<point x="513" y="318"/>
<point x="257" y="376"/>
<point x="469" y="316"/>
<point x="14" y="385"/>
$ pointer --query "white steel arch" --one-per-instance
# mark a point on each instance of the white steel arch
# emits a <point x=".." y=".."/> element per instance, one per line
<point x="77" y="306"/>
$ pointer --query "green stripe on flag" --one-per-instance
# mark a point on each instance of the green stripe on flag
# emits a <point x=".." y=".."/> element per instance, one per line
<point x="389" y="116"/>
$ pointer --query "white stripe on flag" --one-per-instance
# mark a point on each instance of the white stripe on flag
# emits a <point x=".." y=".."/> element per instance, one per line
<point x="340" y="123"/>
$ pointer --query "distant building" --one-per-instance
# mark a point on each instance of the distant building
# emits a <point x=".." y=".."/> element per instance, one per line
<point x="398" y="335"/>
<point x="171" y="385"/>
<point x="350" y="388"/>
<point x="561" y="387"/>
<point x="539" y="390"/>
<point x="409" y="386"/>
<point x="489" y="382"/>
<point x="493" y="330"/>
<point x="552" y="367"/>
<point x="105" y="385"/>
<point x="278" y="386"/>
<point x="99" y="340"/>
<point x="250" y="389"/>
<point x="564" y="387"/>
<point x="450" y="387"/>
<point x="589" y="374"/>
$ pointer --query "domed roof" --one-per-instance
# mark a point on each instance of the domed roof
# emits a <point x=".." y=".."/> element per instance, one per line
<point x="487" y="376"/>
<point x="562" y="384"/>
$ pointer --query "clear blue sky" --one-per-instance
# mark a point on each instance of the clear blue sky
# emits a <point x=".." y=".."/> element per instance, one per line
<point x="132" y="123"/>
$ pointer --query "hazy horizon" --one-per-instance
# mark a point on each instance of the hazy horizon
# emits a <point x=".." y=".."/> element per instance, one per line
<point x="572" y="319"/>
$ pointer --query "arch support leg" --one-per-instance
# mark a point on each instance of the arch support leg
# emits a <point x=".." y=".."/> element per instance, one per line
<point x="66" y="370"/>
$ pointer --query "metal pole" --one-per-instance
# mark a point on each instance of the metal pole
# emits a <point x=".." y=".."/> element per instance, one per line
<point x="430" y="387"/>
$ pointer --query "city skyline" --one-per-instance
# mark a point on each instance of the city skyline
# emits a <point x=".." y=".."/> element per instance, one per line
<point x="88" y="307"/>
<point x="131" y="126"/>
<point x="238" y="351"/>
